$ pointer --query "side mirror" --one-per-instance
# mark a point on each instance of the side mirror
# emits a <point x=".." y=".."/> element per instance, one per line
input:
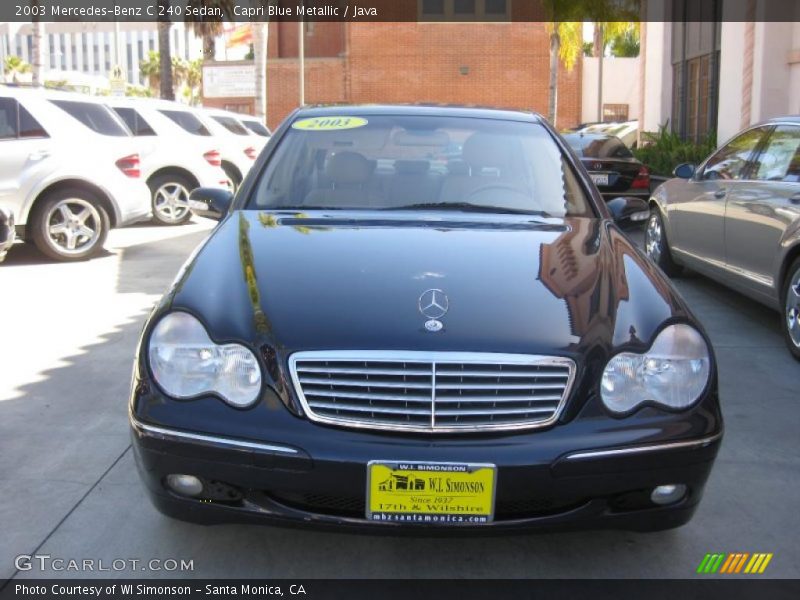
<point x="211" y="203"/>
<point x="628" y="211"/>
<point x="684" y="170"/>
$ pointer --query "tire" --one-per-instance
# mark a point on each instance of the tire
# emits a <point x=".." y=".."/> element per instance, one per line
<point x="169" y="198"/>
<point x="69" y="224"/>
<point x="790" y="309"/>
<point x="656" y="245"/>
<point x="233" y="175"/>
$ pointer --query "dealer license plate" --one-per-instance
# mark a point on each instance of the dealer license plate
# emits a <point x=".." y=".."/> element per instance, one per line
<point x="599" y="178"/>
<point x="430" y="493"/>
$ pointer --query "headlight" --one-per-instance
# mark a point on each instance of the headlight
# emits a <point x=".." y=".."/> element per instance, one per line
<point x="672" y="373"/>
<point x="186" y="363"/>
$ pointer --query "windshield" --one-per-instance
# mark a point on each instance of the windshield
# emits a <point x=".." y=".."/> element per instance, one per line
<point x="598" y="146"/>
<point x="420" y="162"/>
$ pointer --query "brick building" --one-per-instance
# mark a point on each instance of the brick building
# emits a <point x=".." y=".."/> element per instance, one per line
<point x="503" y="63"/>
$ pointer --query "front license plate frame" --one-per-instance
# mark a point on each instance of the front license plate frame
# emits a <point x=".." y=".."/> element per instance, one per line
<point x="600" y="179"/>
<point x="434" y="498"/>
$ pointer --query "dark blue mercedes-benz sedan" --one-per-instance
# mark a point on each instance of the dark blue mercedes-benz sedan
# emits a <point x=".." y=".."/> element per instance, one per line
<point x="423" y="319"/>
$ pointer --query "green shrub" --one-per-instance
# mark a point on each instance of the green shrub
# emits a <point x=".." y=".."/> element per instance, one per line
<point x="665" y="150"/>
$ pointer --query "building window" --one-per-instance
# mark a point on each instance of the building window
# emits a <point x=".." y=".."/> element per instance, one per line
<point x="615" y="112"/>
<point x="245" y="109"/>
<point x="464" y="10"/>
<point x="464" y="7"/>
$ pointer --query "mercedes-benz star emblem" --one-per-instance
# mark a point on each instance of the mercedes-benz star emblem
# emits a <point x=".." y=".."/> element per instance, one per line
<point x="433" y="304"/>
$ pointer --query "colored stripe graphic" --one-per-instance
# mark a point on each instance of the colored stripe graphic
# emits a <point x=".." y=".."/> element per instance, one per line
<point x="734" y="562"/>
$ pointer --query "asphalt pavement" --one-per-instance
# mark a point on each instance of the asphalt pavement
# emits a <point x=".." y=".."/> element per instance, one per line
<point x="70" y="491"/>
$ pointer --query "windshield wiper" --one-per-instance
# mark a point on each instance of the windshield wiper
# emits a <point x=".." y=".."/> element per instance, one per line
<point x="469" y="207"/>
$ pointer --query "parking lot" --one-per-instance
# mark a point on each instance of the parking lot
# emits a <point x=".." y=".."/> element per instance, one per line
<point x="71" y="491"/>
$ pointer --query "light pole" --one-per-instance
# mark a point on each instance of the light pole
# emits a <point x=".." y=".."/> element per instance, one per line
<point x="301" y="53"/>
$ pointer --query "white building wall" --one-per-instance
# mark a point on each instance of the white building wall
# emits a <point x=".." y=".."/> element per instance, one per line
<point x="620" y="86"/>
<point x="658" y="75"/>
<point x="731" y="68"/>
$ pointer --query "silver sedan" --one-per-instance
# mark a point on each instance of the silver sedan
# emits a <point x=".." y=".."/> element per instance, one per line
<point x="736" y="219"/>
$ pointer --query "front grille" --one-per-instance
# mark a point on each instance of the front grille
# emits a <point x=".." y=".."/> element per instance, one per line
<point x="431" y="391"/>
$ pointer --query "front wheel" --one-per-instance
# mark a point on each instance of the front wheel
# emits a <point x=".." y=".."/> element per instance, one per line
<point x="170" y="198"/>
<point x="69" y="225"/>
<point x="791" y="309"/>
<point x="656" y="246"/>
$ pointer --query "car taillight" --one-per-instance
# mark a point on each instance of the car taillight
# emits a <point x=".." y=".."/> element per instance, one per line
<point x="129" y="165"/>
<point x="642" y="180"/>
<point x="251" y="153"/>
<point x="213" y="158"/>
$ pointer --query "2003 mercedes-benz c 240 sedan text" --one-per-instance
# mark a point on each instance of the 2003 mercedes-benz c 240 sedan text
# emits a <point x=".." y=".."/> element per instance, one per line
<point x="389" y="334"/>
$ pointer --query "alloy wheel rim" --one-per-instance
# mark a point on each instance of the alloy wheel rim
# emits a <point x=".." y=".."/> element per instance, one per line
<point x="793" y="309"/>
<point x="171" y="201"/>
<point x="653" y="238"/>
<point x="73" y="226"/>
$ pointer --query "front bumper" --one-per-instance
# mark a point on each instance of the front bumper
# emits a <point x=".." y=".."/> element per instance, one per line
<point x="540" y="486"/>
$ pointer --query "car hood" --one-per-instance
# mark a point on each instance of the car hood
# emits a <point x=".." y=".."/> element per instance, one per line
<point x="513" y="284"/>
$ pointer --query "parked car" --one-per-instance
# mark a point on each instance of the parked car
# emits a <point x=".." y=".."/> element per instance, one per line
<point x="736" y="219"/>
<point x="389" y="348"/>
<point x="70" y="170"/>
<point x="611" y="165"/>
<point x="239" y="146"/>
<point x="7" y="232"/>
<point x="256" y="126"/>
<point x="626" y="131"/>
<point x="180" y="154"/>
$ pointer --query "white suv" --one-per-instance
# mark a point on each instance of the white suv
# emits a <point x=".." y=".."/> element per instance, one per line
<point x="69" y="170"/>
<point x="238" y="144"/>
<point x="179" y="154"/>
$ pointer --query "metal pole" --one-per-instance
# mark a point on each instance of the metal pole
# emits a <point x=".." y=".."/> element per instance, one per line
<point x="302" y="56"/>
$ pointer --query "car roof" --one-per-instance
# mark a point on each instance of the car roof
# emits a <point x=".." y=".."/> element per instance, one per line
<point x="49" y="94"/>
<point x="590" y="136"/>
<point x="132" y="102"/>
<point x="433" y="110"/>
<point x="786" y="119"/>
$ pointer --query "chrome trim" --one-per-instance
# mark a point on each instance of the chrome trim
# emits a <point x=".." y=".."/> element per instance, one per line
<point x="209" y="440"/>
<point x="433" y="359"/>
<point x="764" y="280"/>
<point x="697" y="443"/>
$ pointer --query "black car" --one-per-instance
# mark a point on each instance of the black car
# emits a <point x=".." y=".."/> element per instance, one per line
<point x="611" y="165"/>
<point x="7" y="232"/>
<point x="375" y="339"/>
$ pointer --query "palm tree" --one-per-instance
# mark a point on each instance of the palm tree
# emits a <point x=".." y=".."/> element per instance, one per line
<point x="209" y="29"/>
<point x="194" y="79"/>
<point x="151" y="70"/>
<point x="14" y="67"/>
<point x="164" y="51"/>
<point x="180" y="71"/>
<point x="37" y="53"/>
<point x="566" y="43"/>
